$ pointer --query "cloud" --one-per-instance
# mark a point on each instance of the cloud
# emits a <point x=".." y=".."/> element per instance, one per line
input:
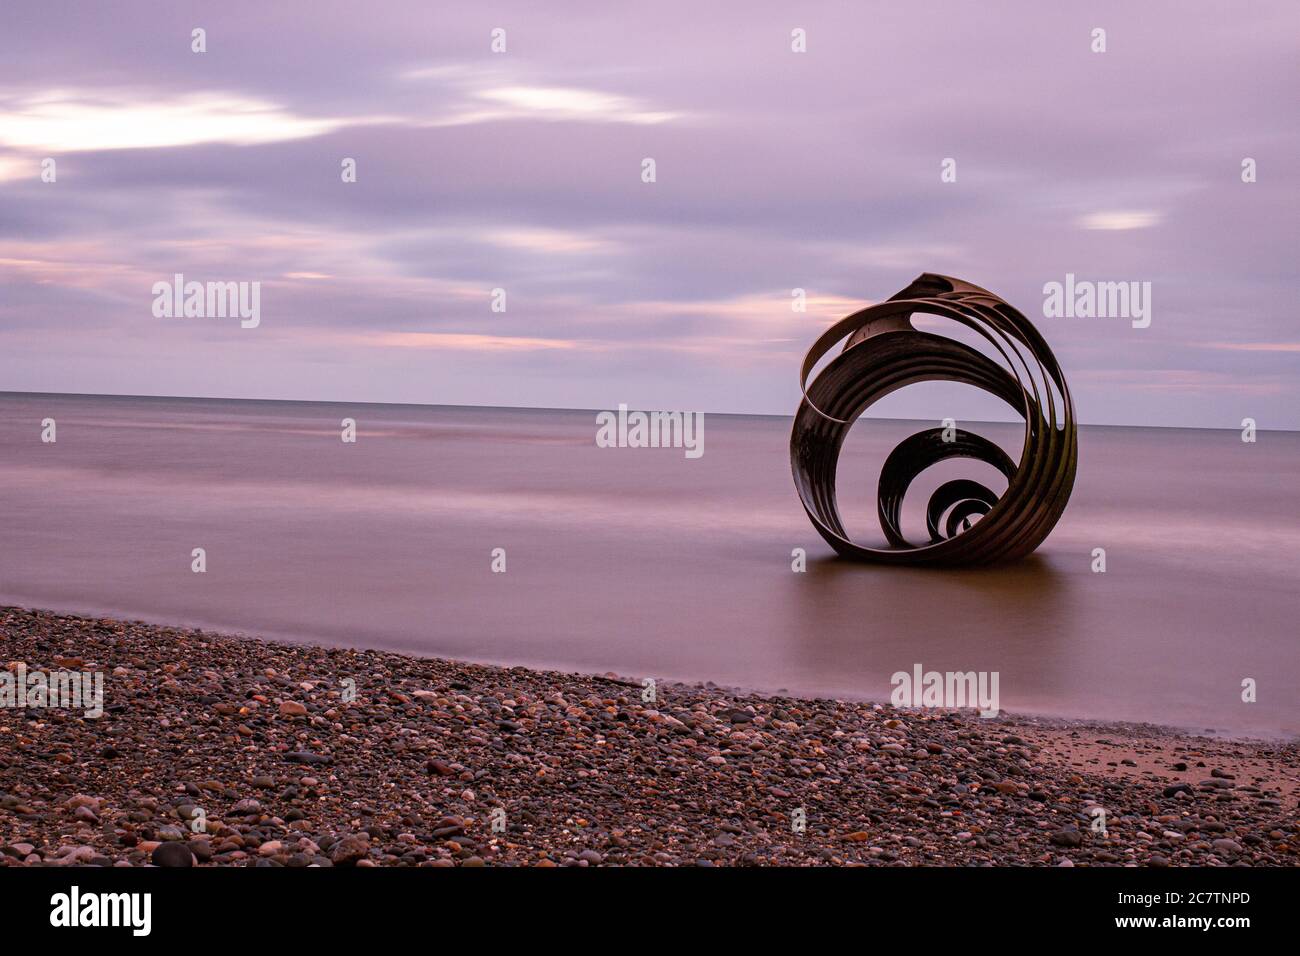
<point x="1120" y="219"/>
<point x="477" y="94"/>
<point x="1176" y="380"/>
<point x="1254" y="346"/>
<point x="18" y="167"/>
<point x="541" y="240"/>
<point x="460" y="341"/>
<point x="78" y="120"/>
<point x="563" y="103"/>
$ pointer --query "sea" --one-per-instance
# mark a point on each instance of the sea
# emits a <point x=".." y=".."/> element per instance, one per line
<point x="508" y="536"/>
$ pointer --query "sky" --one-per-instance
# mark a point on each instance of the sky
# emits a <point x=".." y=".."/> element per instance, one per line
<point x="522" y="170"/>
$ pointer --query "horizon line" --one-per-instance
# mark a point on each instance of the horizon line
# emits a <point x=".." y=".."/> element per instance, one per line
<point x="552" y="408"/>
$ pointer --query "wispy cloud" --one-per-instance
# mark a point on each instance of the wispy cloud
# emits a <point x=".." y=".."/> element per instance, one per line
<point x="77" y="120"/>
<point x="566" y="103"/>
<point x="463" y="341"/>
<point x="1174" y="380"/>
<point x="1120" y="219"/>
<point x="1254" y="346"/>
<point x="476" y="94"/>
<point x="549" y="240"/>
<point x="18" y="167"/>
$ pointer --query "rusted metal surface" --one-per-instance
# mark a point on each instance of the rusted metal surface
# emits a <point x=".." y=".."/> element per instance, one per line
<point x="884" y="352"/>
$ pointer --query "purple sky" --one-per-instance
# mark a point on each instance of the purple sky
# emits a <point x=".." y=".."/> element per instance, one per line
<point x="522" y="170"/>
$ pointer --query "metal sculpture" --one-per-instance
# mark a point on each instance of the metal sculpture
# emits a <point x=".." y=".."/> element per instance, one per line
<point x="885" y="352"/>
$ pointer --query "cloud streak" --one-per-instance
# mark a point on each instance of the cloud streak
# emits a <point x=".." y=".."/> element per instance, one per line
<point x="72" y="120"/>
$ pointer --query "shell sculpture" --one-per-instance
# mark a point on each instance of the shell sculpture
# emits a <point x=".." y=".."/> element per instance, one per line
<point x="968" y="523"/>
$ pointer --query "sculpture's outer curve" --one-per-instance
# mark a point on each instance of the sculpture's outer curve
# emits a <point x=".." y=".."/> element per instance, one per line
<point x="884" y="352"/>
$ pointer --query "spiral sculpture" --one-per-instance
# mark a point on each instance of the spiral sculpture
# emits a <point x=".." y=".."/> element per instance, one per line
<point x="884" y="352"/>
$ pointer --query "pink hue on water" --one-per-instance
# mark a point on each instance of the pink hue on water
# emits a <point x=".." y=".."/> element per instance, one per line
<point x="646" y="563"/>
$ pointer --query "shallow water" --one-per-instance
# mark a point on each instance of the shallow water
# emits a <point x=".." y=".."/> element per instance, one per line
<point x="647" y="563"/>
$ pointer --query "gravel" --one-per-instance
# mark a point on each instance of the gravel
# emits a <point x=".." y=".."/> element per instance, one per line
<point x="230" y="751"/>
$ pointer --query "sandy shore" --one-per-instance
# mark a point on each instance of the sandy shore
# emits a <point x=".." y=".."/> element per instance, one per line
<point x="223" y="750"/>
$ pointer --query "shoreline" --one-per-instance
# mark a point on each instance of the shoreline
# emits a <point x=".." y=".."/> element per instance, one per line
<point x="442" y="763"/>
<point x="295" y="638"/>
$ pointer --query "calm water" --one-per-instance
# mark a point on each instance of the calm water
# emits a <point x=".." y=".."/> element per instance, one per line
<point x="645" y="563"/>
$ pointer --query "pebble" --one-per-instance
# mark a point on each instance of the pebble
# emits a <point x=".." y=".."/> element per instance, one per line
<point x="1067" y="838"/>
<point x="172" y="854"/>
<point x="349" y="850"/>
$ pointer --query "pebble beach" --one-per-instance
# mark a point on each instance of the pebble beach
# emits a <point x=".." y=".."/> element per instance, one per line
<point x="220" y="750"/>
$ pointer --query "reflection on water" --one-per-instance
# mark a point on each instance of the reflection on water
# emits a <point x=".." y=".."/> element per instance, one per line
<point x="646" y="563"/>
